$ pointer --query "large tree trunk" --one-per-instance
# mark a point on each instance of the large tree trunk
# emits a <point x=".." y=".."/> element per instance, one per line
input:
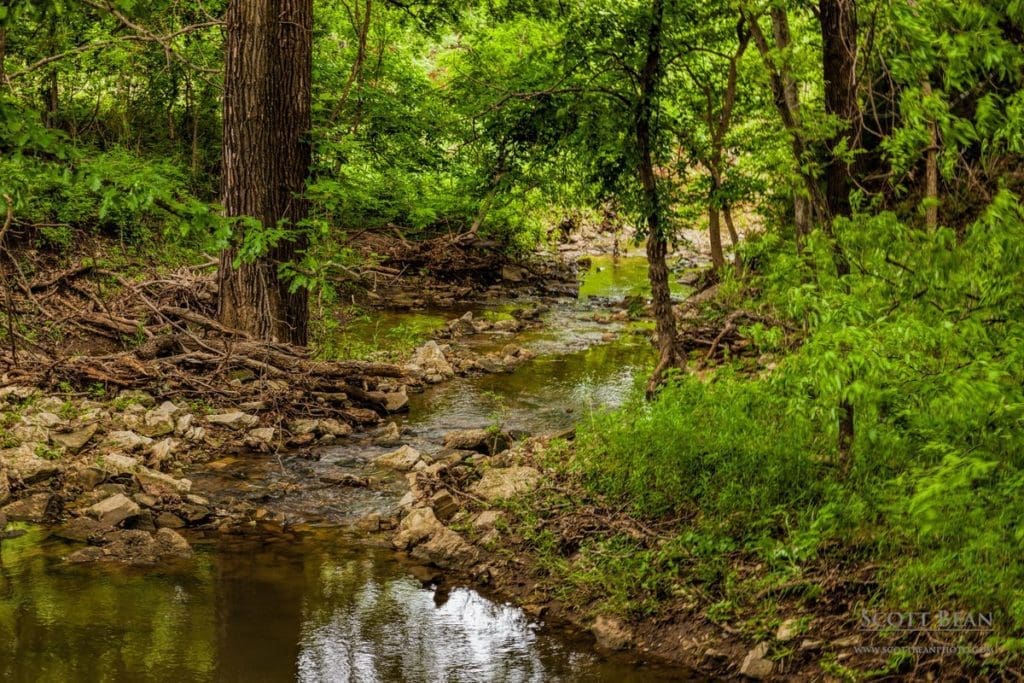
<point x="266" y="159"/>
<point x="657" y="239"/>
<point x="249" y="295"/>
<point x="292" y="121"/>
<point x="838" y="20"/>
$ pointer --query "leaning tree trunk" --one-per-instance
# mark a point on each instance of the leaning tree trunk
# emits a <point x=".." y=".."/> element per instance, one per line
<point x="838" y="20"/>
<point x="266" y="158"/>
<point x="657" y="239"/>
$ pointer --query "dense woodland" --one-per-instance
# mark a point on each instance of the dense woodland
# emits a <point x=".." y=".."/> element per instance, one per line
<point x="855" y="165"/>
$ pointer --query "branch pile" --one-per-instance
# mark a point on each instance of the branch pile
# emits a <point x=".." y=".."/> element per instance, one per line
<point x="85" y="326"/>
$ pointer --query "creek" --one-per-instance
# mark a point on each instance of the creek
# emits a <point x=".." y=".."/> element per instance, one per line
<point x="314" y="602"/>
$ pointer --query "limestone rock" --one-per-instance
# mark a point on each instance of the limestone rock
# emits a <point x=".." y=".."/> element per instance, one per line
<point x="393" y="401"/>
<point x="756" y="664"/>
<point x="333" y="427"/>
<point x="261" y="437"/>
<point x="162" y="451"/>
<point x="429" y="361"/>
<point x="417" y="526"/>
<point x="300" y="427"/>
<point x="76" y="440"/>
<point x="83" y="530"/>
<point x="36" y="508"/>
<point x="511" y="273"/>
<point x="159" y="421"/>
<point x="113" y="510"/>
<point x="480" y="440"/>
<point x="128" y="440"/>
<point x="444" y="505"/>
<point x="403" y="459"/>
<point x="22" y="463"/>
<point x="388" y="435"/>
<point x="167" y="520"/>
<point x="505" y="482"/>
<point x="446" y="548"/>
<point x="171" y="543"/>
<point x="183" y="424"/>
<point x="486" y="520"/>
<point x="234" y="420"/>
<point x="135" y="547"/>
<point x="117" y="463"/>
<point x="788" y="630"/>
<point x="158" y="484"/>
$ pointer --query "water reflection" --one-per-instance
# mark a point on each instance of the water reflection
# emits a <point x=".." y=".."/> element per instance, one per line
<point x="309" y="611"/>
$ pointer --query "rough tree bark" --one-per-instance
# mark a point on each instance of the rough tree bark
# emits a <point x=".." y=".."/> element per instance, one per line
<point x="292" y="121"/>
<point x="838" y="19"/>
<point x="657" y="239"/>
<point x="266" y="158"/>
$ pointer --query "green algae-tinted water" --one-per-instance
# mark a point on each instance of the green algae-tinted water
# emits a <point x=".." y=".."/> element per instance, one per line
<point x="322" y="610"/>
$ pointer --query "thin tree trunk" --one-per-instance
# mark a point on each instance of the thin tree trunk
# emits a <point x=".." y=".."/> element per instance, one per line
<point x="931" y="193"/>
<point x="715" y="234"/>
<point x="786" y="97"/>
<point x="657" y="239"/>
<point x="3" y="55"/>
<point x="734" y="237"/>
<point x="783" y="39"/>
<point x="52" y="92"/>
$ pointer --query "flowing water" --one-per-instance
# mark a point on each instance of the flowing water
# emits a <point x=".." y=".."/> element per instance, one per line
<point x="322" y="605"/>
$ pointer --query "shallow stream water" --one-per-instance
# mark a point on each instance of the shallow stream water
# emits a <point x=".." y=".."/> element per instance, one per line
<point x="322" y="606"/>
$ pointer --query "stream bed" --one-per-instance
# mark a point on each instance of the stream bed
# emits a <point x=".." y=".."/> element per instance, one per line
<point x="321" y="605"/>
